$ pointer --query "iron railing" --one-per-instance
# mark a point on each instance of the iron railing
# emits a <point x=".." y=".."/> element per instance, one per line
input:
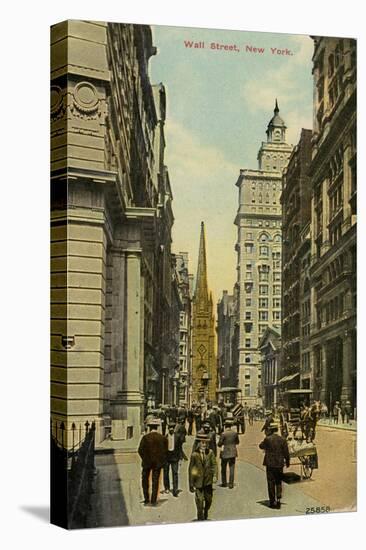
<point x="72" y="473"/>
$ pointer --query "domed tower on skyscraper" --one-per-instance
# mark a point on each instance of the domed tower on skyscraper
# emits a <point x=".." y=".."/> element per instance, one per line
<point x="259" y="248"/>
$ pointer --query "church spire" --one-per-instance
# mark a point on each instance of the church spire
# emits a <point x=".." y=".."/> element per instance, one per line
<point x="276" y="109"/>
<point x="201" y="291"/>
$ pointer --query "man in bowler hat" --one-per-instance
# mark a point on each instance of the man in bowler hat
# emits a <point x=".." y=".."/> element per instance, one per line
<point x="202" y="475"/>
<point x="275" y="458"/>
<point x="153" y="451"/>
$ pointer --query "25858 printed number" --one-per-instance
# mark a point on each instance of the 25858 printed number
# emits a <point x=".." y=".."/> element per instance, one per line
<point x="317" y="510"/>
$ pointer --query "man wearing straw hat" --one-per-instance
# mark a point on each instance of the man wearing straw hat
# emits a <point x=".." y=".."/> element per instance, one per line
<point x="202" y="475"/>
<point x="153" y="450"/>
<point x="275" y="458"/>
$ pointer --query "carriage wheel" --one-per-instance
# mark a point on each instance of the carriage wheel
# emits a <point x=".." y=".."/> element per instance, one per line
<point x="307" y="469"/>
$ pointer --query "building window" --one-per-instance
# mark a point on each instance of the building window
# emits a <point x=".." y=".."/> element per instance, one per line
<point x="263" y="302"/>
<point x="276" y="276"/>
<point x="248" y="288"/>
<point x="276" y="289"/>
<point x="249" y="266"/>
<point x="263" y="289"/>
<point x="248" y="302"/>
<point x="248" y="315"/>
<point x="263" y="250"/>
<point x="248" y="359"/>
<point x="247" y="390"/>
<point x="276" y="315"/>
<point x="263" y="315"/>
<point x="248" y="276"/>
<point x="262" y="328"/>
<point x="248" y="342"/>
<point x="263" y="276"/>
<point x="276" y="302"/>
<point x="249" y="236"/>
<point x="248" y="248"/>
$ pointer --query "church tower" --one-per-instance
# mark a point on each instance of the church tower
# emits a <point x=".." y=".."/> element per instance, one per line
<point x="204" y="367"/>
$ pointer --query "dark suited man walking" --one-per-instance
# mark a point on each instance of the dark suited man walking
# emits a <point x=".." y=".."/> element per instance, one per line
<point x="275" y="458"/>
<point x="153" y="451"/>
<point x="174" y="454"/>
<point x="229" y="439"/>
<point x="202" y="475"/>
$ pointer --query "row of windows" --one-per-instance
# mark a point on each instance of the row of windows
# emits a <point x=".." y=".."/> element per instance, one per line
<point x="263" y="289"/>
<point x="264" y="302"/>
<point x="264" y="237"/>
<point x="263" y="315"/>
<point x="263" y="276"/>
<point x="261" y="223"/>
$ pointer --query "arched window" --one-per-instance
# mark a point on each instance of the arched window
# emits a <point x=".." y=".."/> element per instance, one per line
<point x="277" y="238"/>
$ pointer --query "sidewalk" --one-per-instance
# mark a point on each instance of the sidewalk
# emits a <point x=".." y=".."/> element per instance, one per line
<point x="327" y="423"/>
<point x="118" y="499"/>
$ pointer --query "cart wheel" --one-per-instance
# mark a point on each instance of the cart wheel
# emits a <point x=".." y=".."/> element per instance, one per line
<point x="307" y="469"/>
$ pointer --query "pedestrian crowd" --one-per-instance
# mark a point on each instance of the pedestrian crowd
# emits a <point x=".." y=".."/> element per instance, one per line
<point x="216" y="428"/>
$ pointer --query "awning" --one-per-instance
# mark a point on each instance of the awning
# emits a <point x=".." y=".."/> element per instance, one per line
<point x="299" y="391"/>
<point x="228" y="390"/>
<point x="288" y="378"/>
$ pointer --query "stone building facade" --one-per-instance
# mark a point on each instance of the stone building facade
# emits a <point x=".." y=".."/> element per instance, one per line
<point x="270" y="348"/>
<point x="204" y="365"/>
<point x="110" y="223"/>
<point x="333" y="221"/>
<point x="258" y="249"/>
<point x="296" y="211"/>
<point x="227" y="340"/>
<point x="185" y="329"/>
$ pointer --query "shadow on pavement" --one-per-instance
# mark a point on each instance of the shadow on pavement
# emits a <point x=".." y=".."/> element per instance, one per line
<point x="108" y="506"/>
<point x="291" y="477"/>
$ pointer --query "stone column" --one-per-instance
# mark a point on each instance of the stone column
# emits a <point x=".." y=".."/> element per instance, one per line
<point x="324" y="397"/>
<point x="347" y="366"/>
<point x="118" y="322"/>
<point x="132" y="398"/>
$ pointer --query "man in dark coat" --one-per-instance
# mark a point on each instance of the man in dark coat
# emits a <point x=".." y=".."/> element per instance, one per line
<point x="175" y="442"/>
<point x="163" y="418"/>
<point x="267" y="423"/>
<point x="202" y="475"/>
<point x="198" y="418"/>
<point x="276" y="456"/>
<point x="229" y="439"/>
<point x="190" y="418"/>
<point x="153" y="451"/>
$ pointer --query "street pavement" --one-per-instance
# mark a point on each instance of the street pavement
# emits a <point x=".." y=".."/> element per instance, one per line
<point x="118" y="498"/>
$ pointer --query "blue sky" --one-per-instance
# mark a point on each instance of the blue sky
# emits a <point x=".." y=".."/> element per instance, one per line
<point x="218" y="107"/>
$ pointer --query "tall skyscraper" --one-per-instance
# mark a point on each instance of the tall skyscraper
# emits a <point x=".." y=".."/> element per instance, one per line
<point x="259" y="253"/>
<point x="204" y="367"/>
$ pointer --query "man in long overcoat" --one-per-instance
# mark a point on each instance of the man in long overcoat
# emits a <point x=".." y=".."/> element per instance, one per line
<point x="229" y="439"/>
<point x="202" y="475"/>
<point x="153" y="451"/>
<point x="275" y="458"/>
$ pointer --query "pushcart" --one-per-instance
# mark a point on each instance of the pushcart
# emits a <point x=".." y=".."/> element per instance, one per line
<point x="305" y="455"/>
